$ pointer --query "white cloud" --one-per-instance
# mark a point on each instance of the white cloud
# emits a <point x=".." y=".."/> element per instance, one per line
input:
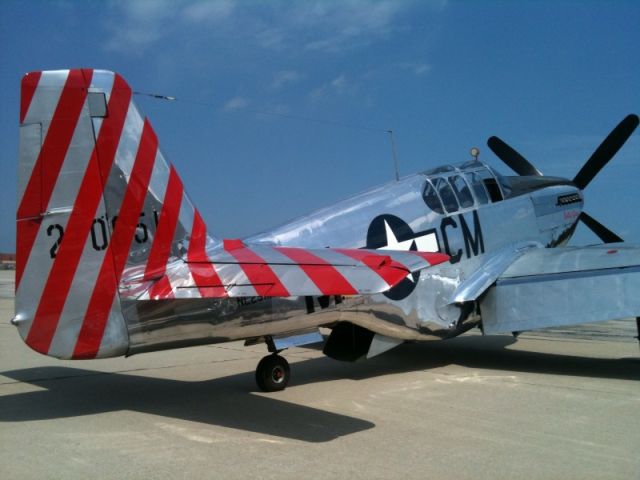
<point x="208" y="11"/>
<point x="236" y="103"/>
<point x="338" y="85"/>
<point x="286" y="77"/>
<point x="352" y="23"/>
<point x="137" y="25"/>
<point x="325" y="26"/>
<point x="415" y="67"/>
<point x="269" y="37"/>
<point x="421" y="69"/>
<point x="347" y="24"/>
<point x="146" y="10"/>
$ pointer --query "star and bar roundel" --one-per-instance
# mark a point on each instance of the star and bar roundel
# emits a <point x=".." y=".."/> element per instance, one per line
<point x="389" y="232"/>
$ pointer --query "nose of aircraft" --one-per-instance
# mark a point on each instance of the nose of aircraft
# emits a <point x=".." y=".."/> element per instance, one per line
<point x="532" y="178"/>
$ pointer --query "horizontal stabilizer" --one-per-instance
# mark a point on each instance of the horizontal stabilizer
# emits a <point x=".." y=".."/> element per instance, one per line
<point x="239" y="270"/>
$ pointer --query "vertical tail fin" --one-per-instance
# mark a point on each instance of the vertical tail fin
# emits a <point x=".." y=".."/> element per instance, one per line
<point x="97" y="202"/>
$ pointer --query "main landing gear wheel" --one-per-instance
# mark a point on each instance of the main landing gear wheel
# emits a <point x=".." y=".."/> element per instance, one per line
<point x="273" y="373"/>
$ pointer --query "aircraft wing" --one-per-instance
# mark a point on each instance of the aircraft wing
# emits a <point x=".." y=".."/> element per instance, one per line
<point x="239" y="270"/>
<point x="548" y="287"/>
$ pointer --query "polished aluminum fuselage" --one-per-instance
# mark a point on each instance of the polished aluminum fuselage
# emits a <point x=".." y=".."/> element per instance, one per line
<point x="394" y="215"/>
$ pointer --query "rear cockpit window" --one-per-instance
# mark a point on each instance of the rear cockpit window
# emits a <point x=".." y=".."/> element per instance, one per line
<point x="491" y="185"/>
<point x="462" y="191"/>
<point x="478" y="188"/>
<point x="446" y="194"/>
<point x="431" y="198"/>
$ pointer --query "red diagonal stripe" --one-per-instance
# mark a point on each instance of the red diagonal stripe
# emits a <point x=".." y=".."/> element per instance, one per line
<point x="161" y="289"/>
<point x="202" y="270"/>
<point x="434" y="258"/>
<point x="78" y="226"/>
<point x="261" y="276"/>
<point x="27" y="89"/>
<point x="391" y="273"/>
<point x="54" y="149"/>
<point x="325" y="276"/>
<point x="161" y="248"/>
<point x="97" y="314"/>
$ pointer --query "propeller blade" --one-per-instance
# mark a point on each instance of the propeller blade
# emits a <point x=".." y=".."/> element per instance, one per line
<point x="512" y="158"/>
<point x="605" y="152"/>
<point x="606" y="235"/>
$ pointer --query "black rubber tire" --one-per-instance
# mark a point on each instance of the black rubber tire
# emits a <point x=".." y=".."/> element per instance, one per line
<point x="273" y="373"/>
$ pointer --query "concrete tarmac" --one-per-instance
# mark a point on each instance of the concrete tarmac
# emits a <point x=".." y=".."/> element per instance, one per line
<point x="560" y="404"/>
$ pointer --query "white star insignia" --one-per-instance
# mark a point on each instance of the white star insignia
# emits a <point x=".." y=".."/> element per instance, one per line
<point x="394" y="244"/>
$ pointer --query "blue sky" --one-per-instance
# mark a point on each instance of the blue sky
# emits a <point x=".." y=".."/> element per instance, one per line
<point x="551" y="78"/>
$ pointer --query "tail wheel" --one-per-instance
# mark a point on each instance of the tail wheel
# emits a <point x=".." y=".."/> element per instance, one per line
<point x="273" y="373"/>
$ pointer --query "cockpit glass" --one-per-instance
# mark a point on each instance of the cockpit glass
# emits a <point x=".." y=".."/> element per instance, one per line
<point x="505" y="186"/>
<point x="472" y="164"/>
<point x="491" y="184"/>
<point x="478" y="187"/>
<point x="431" y="198"/>
<point x="440" y="169"/>
<point x="462" y="191"/>
<point x="446" y="194"/>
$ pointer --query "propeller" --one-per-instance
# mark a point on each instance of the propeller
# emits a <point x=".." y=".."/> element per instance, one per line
<point x="605" y="151"/>
<point x="512" y="158"/>
<point x="600" y="157"/>
<point x="606" y="235"/>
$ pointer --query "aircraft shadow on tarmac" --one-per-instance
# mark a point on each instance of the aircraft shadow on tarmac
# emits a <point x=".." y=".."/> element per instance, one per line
<point x="226" y="401"/>
<point x="473" y="352"/>
<point x="73" y="392"/>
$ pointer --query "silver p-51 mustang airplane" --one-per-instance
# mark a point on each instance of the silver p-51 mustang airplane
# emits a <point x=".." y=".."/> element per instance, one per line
<point x="113" y="258"/>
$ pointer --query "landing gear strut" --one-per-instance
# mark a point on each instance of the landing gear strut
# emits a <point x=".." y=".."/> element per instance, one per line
<point x="273" y="372"/>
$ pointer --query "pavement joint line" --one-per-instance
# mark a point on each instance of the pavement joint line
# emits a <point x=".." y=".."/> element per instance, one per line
<point x="517" y="381"/>
<point x="575" y="338"/>
<point x="580" y="389"/>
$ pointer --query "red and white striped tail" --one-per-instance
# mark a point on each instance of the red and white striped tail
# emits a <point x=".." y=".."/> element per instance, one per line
<point x="95" y="196"/>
